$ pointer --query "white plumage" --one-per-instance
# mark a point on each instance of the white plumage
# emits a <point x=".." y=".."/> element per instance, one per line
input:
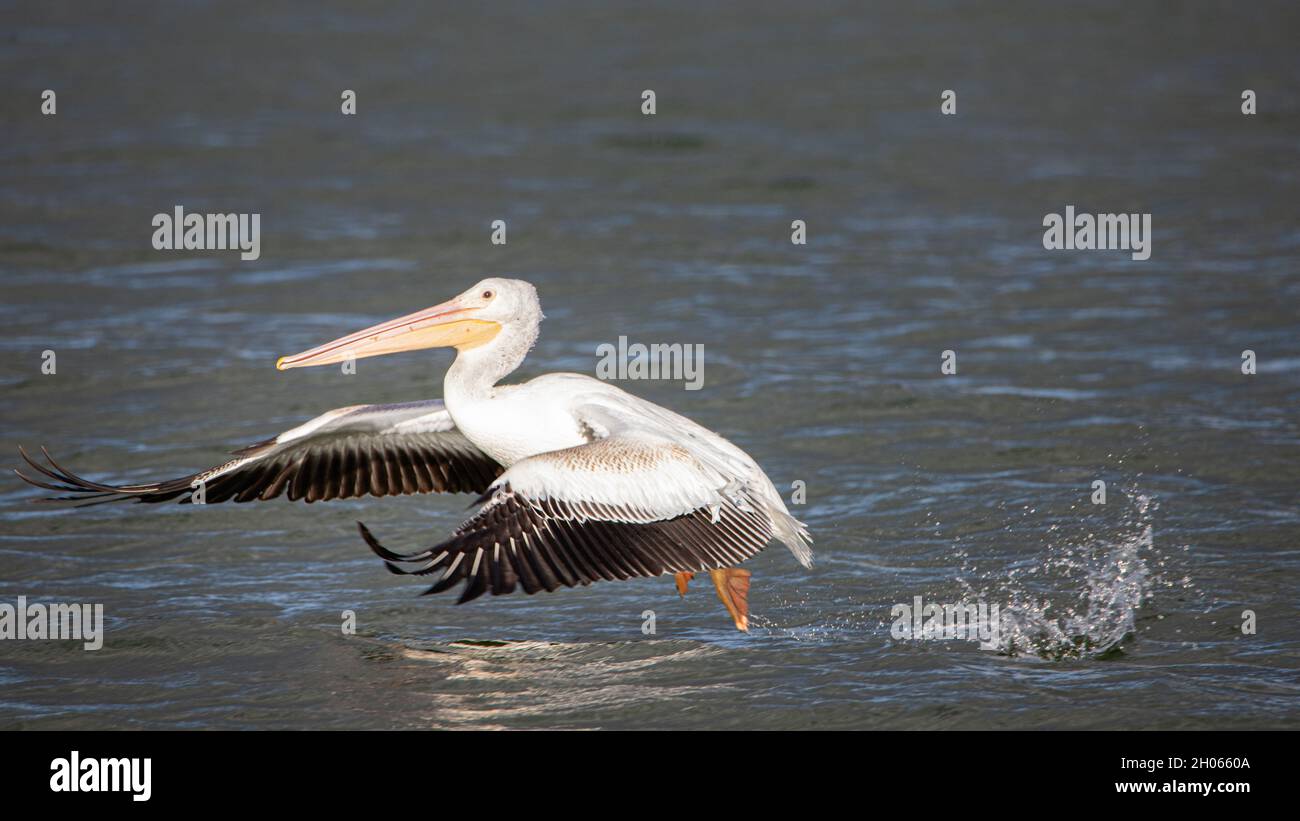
<point x="580" y="480"/>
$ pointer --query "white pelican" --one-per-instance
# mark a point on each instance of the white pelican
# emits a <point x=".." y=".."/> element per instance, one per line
<point x="580" y="480"/>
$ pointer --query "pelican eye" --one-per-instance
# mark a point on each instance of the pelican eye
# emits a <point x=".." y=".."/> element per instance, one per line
<point x="488" y="294"/>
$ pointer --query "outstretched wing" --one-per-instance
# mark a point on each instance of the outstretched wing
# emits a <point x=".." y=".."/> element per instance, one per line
<point x="616" y="508"/>
<point x="380" y="450"/>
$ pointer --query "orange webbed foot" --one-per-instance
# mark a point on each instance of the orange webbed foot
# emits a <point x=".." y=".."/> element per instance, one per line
<point x="682" y="580"/>
<point x="733" y="590"/>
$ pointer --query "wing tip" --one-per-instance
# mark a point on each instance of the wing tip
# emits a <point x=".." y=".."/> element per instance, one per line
<point x="373" y="543"/>
<point x="390" y="558"/>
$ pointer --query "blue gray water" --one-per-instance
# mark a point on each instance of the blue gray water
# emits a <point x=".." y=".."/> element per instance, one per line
<point x="823" y="360"/>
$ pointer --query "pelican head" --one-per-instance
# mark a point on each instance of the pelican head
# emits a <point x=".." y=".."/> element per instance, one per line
<point x="475" y="318"/>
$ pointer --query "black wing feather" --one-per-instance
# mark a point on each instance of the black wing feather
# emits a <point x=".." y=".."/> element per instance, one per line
<point x="326" y="470"/>
<point x="516" y="542"/>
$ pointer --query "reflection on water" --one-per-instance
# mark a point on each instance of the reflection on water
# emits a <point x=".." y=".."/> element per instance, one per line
<point x="501" y="683"/>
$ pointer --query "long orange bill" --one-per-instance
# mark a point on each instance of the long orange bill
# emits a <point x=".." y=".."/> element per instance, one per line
<point x="449" y="325"/>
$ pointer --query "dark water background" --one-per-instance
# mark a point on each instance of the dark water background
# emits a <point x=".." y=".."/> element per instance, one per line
<point x="821" y="360"/>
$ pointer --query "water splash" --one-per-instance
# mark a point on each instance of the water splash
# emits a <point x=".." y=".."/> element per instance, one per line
<point x="1083" y="600"/>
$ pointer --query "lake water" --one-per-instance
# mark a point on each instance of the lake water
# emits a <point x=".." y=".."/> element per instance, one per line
<point x="822" y="360"/>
